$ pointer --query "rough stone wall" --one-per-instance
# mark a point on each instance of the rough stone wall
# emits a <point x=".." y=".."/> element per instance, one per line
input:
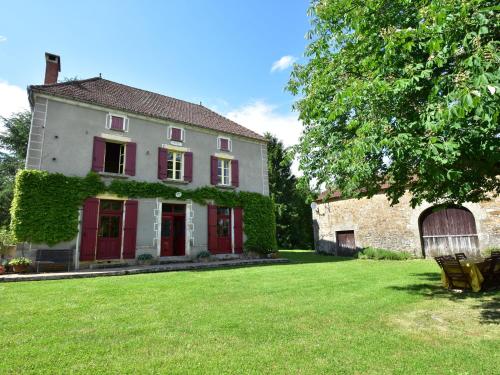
<point x="376" y="223"/>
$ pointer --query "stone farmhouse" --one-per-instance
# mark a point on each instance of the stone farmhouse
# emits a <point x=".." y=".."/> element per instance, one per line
<point x="122" y="132"/>
<point x="343" y="226"/>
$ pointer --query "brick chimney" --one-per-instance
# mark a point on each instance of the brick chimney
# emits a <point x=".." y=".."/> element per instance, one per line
<point x="52" y="68"/>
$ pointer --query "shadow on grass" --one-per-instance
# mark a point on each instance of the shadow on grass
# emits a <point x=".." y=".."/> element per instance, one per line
<point x="432" y="288"/>
<point x="309" y="256"/>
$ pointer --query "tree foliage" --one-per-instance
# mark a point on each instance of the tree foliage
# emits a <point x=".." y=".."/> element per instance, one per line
<point x="405" y="93"/>
<point x="291" y="198"/>
<point x="13" y="146"/>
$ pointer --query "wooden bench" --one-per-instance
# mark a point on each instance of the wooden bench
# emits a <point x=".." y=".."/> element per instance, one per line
<point x="61" y="259"/>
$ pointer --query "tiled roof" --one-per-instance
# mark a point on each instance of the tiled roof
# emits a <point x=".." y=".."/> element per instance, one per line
<point x="329" y="195"/>
<point x="114" y="95"/>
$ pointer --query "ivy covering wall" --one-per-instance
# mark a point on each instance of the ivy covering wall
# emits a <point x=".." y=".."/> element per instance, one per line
<point x="45" y="206"/>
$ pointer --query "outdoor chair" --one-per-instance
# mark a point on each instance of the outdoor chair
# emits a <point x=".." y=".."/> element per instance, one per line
<point x="491" y="277"/>
<point x="495" y="254"/>
<point x="448" y="257"/>
<point x="460" y="256"/>
<point x="439" y="260"/>
<point x="455" y="274"/>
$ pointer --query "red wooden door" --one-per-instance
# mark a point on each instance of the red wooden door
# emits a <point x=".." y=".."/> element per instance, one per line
<point x="173" y="230"/>
<point x="110" y="230"/>
<point x="179" y="235"/>
<point x="224" y="230"/>
<point x="167" y="237"/>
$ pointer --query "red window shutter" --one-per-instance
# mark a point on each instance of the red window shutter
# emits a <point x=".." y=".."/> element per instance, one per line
<point x="238" y="229"/>
<point x="224" y="144"/>
<point x="212" y="228"/>
<point x="98" y="154"/>
<point x="176" y="134"/>
<point x="162" y="163"/>
<point x="130" y="153"/>
<point x="130" y="229"/>
<point x="188" y="166"/>
<point x="213" y="170"/>
<point x="117" y="123"/>
<point x="235" y="173"/>
<point x="89" y="229"/>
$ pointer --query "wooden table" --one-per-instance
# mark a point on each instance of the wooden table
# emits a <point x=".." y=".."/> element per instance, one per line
<point x="472" y="268"/>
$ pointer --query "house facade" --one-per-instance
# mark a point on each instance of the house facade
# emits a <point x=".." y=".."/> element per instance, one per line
<point x="125" y="133"/>
<point x="343" y="226"/>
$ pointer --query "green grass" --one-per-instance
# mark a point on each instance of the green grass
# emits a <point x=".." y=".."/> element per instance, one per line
<point x="318" y="314"/>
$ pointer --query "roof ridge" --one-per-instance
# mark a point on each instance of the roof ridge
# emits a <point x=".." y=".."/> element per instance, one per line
<point x="234" y="122"/>
<point x="152" y="92"/>
<point x="67" y="82"/>
<point x="98" y="90"/>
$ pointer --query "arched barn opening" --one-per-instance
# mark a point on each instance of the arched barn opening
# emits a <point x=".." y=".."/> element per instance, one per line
<point x="448" y="230"/>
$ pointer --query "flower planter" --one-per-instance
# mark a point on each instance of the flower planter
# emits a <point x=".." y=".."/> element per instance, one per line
<point x="20" y="268"/>
<point x="2" y="270"/>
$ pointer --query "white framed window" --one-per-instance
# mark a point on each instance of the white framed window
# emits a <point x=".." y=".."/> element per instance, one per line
<point x="224" y="143"/>
<point x="114" y="158"/>
<point x="176" y="133"/>
<point x="117" y="122"/>
<point x="224" y="172"/>
<point x="175" y="165"/>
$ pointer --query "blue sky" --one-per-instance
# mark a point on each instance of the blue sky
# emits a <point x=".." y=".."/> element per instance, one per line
<point x="214" y="51"/>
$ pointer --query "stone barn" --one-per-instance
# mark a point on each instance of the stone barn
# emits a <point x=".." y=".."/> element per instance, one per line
<point x="343" y="226"/>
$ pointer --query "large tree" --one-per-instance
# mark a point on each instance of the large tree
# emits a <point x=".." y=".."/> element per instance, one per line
<point x="291" y="197"/>
<point x="13" y="146"/>
<point x="404" y="93"/>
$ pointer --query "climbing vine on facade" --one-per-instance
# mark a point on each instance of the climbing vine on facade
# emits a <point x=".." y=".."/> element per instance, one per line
<point x="45" y="206"/>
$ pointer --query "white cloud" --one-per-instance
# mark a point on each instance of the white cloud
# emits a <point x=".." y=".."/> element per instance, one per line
<point x="12" y="99"/>
<point x="3" y="38"/>
<point x="262" y="117"/>
<point x="284" y="63"/>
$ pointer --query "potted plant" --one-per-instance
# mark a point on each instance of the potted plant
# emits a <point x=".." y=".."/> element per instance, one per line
<point x="145" y="259"/>
<point x="20" y="265"/>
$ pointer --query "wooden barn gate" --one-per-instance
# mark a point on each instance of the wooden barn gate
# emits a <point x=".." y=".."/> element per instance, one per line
<point x="448" y="230"/>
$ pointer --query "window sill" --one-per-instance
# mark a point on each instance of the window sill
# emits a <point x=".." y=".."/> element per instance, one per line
<point x="229" y="187"/>
<point x="172" y="181"/>
<point x="113" y="175"/>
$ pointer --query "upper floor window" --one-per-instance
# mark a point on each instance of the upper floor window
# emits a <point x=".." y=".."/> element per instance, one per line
<point x="223" y="144"/>
<point x="176" y="134"/>
<point x="117" y="122"/>
<point x="114" y="158"/>
<point x="175" y="163"/>
<point x="224" y="172"/>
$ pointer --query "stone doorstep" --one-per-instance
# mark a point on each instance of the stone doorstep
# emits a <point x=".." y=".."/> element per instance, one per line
<point x="134" y="270"/>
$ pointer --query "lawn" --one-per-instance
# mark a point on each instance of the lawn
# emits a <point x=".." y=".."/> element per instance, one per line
<point x="317" y="315"/>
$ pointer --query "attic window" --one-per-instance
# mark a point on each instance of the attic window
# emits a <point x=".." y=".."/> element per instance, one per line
<point x="176" y="134"/>
<point x="117" y="122"/>
<point x="224" y="144"/>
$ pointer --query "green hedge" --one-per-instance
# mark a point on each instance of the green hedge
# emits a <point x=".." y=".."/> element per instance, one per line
<point x="382" y="254"/>
<point x="45" y="206"/>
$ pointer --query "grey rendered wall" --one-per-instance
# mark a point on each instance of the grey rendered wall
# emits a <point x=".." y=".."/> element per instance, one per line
<point x="66" y="132"/>
<point x="70" y="129"/>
